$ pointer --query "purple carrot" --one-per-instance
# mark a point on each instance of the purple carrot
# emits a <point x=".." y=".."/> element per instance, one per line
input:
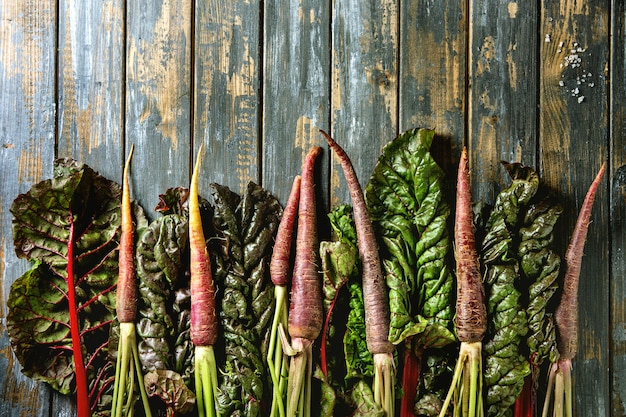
<point x="375" y="298"/>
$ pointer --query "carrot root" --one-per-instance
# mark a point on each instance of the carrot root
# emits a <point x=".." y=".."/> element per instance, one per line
<point x="128" y="367"/>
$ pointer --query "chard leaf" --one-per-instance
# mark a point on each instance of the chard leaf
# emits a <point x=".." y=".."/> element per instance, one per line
<point x="164" y="309"/>
<point x="68" y="223"/>
<point x="540" y="265"/>
<point x="363" y="401"/>
<point x="172" y="390"/>
<point x="245" y="228"/>
<point x="505" y="365"/>
<point x="405" y="198"/>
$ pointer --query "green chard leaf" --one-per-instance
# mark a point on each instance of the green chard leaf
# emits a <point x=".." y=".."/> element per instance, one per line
<point x="245" y="229"/>
<point x="405" y="198"/>
<point x="343" y="303"/>
<point x="77" y="209"/>
<point x="540" y="265"/>
<point x="505" y="364"/>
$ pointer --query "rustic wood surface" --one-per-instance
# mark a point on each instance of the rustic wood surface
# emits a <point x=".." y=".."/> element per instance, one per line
<point x="538" y="82"/>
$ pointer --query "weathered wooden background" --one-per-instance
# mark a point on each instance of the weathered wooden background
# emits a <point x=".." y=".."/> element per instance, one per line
<point x="542" y="82"/>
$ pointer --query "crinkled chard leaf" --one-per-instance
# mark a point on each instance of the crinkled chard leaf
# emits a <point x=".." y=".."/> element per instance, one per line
<point x="343" y="301"/>
<point x="505" y="365"/>
<point x="165" y="347"/>
<point x="245" y="229"/>
<point x="405" y="198"/>
<point x="76" y="209"/>
<point x="540" y="265"/>
<point x="172" y="390"/>
<point x="363" y="401"/>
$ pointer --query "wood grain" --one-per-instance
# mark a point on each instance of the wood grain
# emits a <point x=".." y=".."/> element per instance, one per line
<point x="433" y="77"/>
<point x="296" y="83"/>
<point x="364" y="83"/>
<point x="617" y="216"/>
<point x="573" y="133"/>
<point x="503" y="96"/>
<point x="91" y="84"/>
<point x="158" y="96"/>
<point x="226" y="107"/>
<point x="27" y="129"/>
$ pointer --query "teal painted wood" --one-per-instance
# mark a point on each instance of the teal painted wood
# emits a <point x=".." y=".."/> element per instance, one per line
<point x="296" y="82"/>
<point x="433" y="76"/>
<point x="91" y="94"/>
<point x="27" y="133"/>
<point x="573" y="142"/>
<point x="617" y="213"/>
<point x="158" y="97"/>
<point x="364" y="96"/>
<point x="502" y="97"/>
<point x="227" y="98"/>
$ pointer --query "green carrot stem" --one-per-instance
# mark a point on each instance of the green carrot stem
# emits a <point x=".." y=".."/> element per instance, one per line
<point x="300" y="374"/>
<point x="275" y="362"/>
<point x="467" y="383"/>
<point x="205" y="377"/>
<point x="127" y="373"/>
<point x="384" y="383"/>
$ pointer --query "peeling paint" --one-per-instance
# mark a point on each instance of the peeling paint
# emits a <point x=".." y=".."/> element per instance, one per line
<point x="512" y="66"/>
<point x="512" y="9"/>
<point x="161" y="68"/>
<point x="305" y="134"/>
<point x="486" y="54"/>
<point x="29" y="167"/>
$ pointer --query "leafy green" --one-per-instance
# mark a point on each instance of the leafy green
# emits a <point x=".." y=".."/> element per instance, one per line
<point x="506" y="366"/>
<point x="405" y="198"/>
<point x="77" y="209"/>
<point x="245" y="228"/>
<point x="540" y="265"/>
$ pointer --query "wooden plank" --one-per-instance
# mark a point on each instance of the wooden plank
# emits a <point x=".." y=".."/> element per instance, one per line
<point x="617" y="178"/>
<point x="90" y="97"/>
<point x="296" y="83"/>
<point x="27" y="124"/>
<point x="433" y="75"/>
<point x="364" y="81"/>
<point x="158" y="96"/>
<point x="503" y="43"/>
<point x="226" y="96"/>
<point x="573" y="138"/>
<point x="91" y="94"/>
